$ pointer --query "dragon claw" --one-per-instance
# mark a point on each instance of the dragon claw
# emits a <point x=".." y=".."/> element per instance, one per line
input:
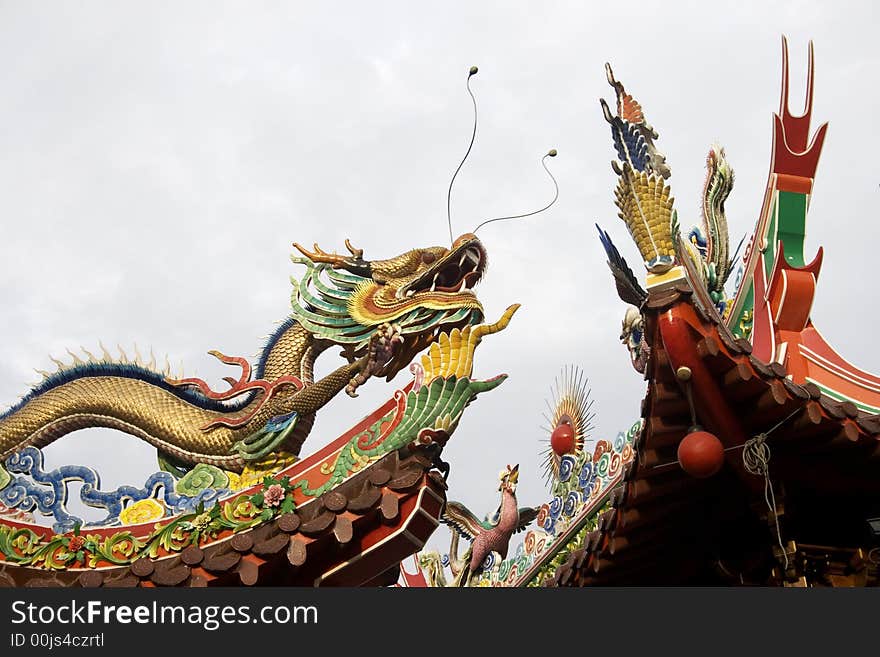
<point x="352" y="387"/>
<point x="379" y="354"/>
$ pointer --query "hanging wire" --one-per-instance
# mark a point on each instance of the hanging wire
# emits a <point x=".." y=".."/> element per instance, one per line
<point x="756" y="460"/>
<point x="471" y="73"/>
<point x="550" y="153"/>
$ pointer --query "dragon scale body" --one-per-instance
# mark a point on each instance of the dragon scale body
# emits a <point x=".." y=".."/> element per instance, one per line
<point x="133" y="399"/>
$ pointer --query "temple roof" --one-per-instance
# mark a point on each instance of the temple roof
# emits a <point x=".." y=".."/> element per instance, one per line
<point x="667" y="526"/>
<point x="392" y="506"/>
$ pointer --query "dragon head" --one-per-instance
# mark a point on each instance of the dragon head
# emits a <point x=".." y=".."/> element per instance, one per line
<point x="346" y="300"/>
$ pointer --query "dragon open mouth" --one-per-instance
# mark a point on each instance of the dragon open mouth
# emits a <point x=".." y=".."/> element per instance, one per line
<point x="456" y="273"/>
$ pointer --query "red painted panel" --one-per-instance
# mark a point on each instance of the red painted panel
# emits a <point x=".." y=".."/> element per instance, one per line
<point x="796" y="184"/>
<point x="802" y="164"/>
<point x="763" y="340"/>
<point x="791" y="299"/>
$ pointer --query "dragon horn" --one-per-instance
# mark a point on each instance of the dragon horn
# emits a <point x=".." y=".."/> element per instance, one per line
<point x="355" y="264"/>
<point x="357" y="253"/>
<point x="319" y="255"/>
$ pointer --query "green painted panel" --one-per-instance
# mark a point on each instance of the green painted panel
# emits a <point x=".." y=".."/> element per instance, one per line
<point x="792" y="226"/>
<point x="738" y="324"/>
<point x="770" y="251"/>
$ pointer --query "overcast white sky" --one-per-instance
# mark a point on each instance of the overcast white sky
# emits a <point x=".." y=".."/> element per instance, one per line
<point x="158" y="159"/>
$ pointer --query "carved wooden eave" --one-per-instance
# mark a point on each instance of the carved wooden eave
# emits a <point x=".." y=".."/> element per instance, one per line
<point x="355" y="534"/>
<point x="667" y="527"/>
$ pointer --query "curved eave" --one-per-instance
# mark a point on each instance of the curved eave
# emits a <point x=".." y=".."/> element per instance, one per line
<point x="355" y="534"/>
<point x="667" y="527"/>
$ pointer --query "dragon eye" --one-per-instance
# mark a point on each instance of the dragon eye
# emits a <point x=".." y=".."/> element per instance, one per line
<point x="428" y="257"/>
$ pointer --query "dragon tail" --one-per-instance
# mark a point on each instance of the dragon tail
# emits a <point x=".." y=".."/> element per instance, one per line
<point x="126" y="397"/>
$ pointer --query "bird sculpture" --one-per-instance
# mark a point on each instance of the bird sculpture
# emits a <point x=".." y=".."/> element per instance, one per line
<point x="492" y="534"/>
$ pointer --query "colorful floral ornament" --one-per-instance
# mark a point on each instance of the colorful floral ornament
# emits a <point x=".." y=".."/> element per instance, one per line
<point x="25" y="547"/>
<point x="142" y="511"/>
<point x="273" y="496"/>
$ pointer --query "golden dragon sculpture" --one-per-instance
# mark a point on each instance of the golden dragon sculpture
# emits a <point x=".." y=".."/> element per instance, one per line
<point x="380" y="312"/>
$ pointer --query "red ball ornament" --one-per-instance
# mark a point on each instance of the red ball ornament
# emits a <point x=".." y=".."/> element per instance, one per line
<point x="700" y="454"/>
<point x="562" y="439"/>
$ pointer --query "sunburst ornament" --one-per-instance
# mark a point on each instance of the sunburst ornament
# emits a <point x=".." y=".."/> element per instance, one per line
<point x="570" y="419"/>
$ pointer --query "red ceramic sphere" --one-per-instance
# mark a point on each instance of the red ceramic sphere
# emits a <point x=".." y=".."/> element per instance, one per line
<point x="700" y="454"/>
<point x="562" y="439"/>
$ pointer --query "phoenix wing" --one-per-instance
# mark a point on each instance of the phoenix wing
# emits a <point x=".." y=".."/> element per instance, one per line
<point x="526" y="515"/>
<point x="460" y="518"/>
<point x="628" y="287"/>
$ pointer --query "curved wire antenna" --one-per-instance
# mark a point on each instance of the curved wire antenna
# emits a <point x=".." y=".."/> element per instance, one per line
<point x="551" y="153"/>
<point x="471" y="74"/>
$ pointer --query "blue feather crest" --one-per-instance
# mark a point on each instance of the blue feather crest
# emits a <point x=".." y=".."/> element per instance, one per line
<point x="629" y="142"/>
